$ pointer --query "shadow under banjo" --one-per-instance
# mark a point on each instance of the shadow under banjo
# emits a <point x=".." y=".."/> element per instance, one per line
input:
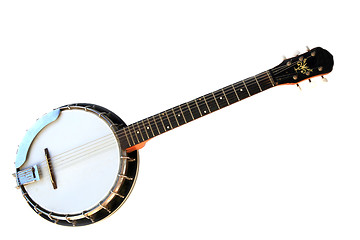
<point x="78" y="164"/>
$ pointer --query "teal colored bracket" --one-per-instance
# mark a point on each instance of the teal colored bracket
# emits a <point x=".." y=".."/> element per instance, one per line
<point x="31" y="134"/>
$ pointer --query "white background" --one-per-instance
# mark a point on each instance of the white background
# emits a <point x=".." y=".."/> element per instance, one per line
<point x="283" y="164"/>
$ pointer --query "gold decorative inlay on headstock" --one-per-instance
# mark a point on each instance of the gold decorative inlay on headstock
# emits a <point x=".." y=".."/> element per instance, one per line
<point x="302" y="67"/>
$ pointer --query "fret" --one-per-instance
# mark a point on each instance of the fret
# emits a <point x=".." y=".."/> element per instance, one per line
<point x="195" y="110"/>
<point x="237" y="96"/>
<point x="217" y="104"/>
<point x="241" y="90"/>
<point x="167" y="116"/>
<point x="165" y="121"/>
<point x="264" y="81"/>
<point x="182" y="116"/>
<point x="131" y="137"/>
<point x="164" y="125"/>
<point x="203" y="108"/>
<point x="198" y="108"/>
<point x="127" y="138"/>
<point x="227" y="101"/>
<point x="246" y="88"/>
<point x="270" y="78"/>
<point x="175" y="116"/>
<point x="179" y="115"/>
<point x="135" y="133"/>
<point x="206" y="103"/>
<point x="139" y="132"/>
<point x="143" y="131"/>
<point x="172" y="118"/>
<point x="257" y="83"/>
<point x="150" y="127"/>
<point x="158" y="125"/>
<point x="192" y="116"/>
<point x="211" y="103"/>
<point x="252" y="86"/>
<point x="221" y="99"/>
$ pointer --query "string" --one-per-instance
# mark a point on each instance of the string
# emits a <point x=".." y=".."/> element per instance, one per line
<point x="219" y="93"/>
<point x="79" y="151"/>
<point x="70" y="154"/>
<point x="103" y="142"/>
<point x="102" y="147"/>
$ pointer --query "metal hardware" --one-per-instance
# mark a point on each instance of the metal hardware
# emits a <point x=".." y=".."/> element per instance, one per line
<point x="26" y="176"/>
<point x="117" y="194"/>
<point x="103" y="113"/>
<point x="51" y="218"/>
<point x="36" y="209"/>
<point x="88" y="217"/>
<point x="73" y="222"/>
<point x="126" y="177"/>
<point x="102" y="206"/>
<point x="114" y="126"/>
<point x="129" y="159"/>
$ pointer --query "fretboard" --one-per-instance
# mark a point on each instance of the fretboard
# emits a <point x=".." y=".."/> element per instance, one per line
<point x="165" y="121"/>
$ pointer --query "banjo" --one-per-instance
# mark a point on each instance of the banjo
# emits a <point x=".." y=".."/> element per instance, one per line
<point x="59" y="158"/>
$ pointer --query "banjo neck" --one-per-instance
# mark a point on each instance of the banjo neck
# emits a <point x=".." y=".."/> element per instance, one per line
<point x="313" y="63"/>
<point x="135" y="135"/>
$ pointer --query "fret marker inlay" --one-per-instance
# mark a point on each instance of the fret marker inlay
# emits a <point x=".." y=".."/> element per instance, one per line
<point x="194" y="109"/>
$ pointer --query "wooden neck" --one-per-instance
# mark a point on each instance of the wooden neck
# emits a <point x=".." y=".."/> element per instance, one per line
<point x="134" y="136"/>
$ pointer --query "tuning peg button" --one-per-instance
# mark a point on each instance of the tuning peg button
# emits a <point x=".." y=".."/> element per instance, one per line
<point x="296" y="53"/>
<point x="324" y="79"/>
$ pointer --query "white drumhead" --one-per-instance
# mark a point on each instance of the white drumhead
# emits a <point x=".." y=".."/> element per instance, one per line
<point x="85" y="157"/>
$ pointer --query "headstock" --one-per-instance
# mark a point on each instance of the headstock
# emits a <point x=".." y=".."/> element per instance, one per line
<point x="315" y="62"/>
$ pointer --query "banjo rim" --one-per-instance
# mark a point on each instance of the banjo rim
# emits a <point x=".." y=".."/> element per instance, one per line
<point x="117" y="195"/>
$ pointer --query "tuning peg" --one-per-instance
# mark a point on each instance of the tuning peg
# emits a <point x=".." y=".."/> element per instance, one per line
<point x="296" y="53"/>
<point x="324" y="79"/>
<point x="284" y="57"/>
<point x="308" y="49"/>
<point x="309" y="80"/>
<point x="298" y="86"/>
